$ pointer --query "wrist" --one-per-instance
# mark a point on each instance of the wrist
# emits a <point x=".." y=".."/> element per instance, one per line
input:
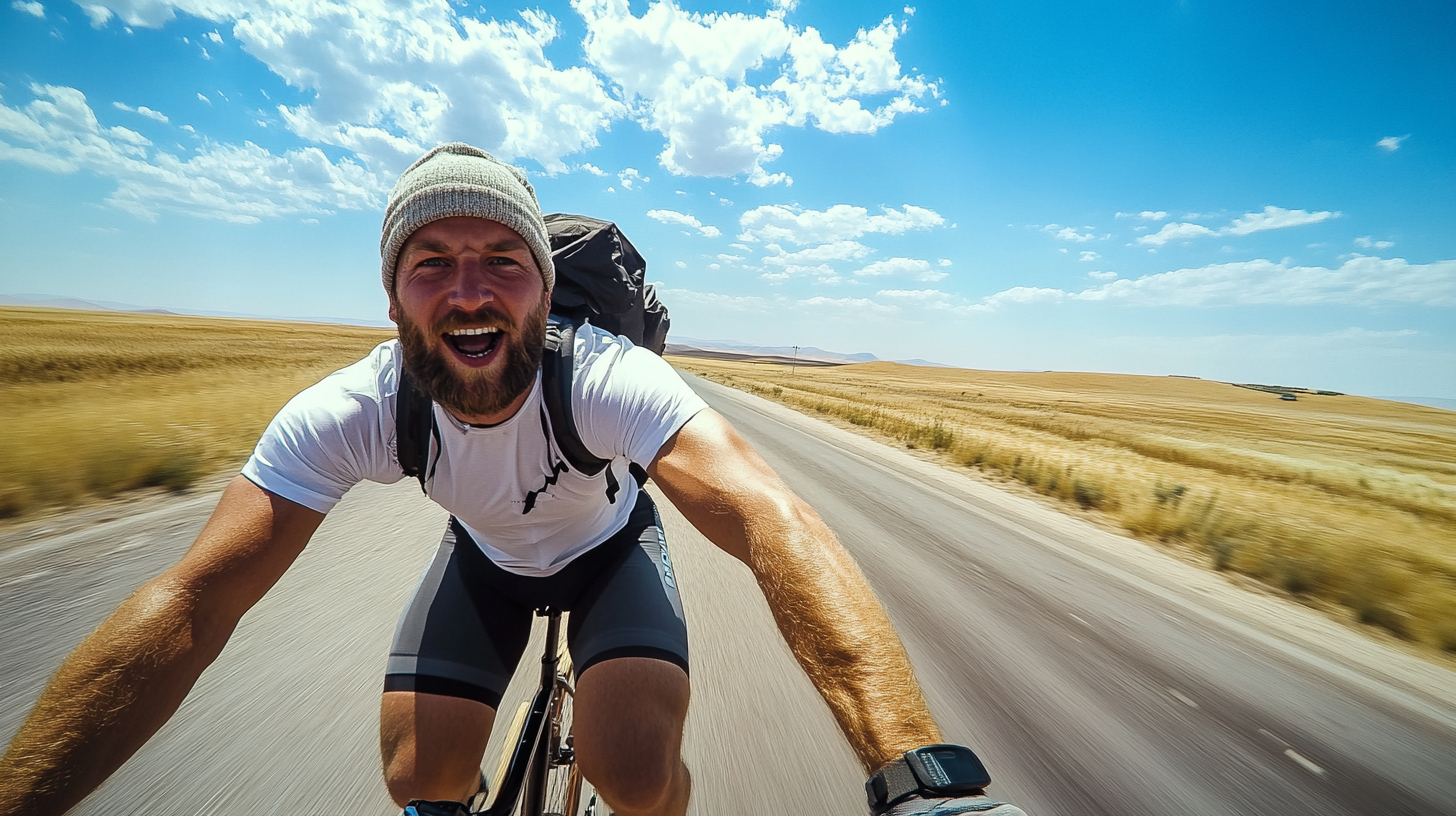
<point x="930" y="772"/>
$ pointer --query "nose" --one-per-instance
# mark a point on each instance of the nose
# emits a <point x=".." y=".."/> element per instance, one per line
<point x="471" y="287"/>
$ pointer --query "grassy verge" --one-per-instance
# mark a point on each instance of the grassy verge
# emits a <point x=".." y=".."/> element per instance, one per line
<point x="96" y="403"/>
<point x="1338" y="500"/>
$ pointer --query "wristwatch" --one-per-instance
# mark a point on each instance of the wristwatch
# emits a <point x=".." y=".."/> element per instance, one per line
<point x="933" y="771"/>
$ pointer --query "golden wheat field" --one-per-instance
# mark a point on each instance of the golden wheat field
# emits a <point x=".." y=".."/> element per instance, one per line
<point x="96" y="403"/>
<point x="1336" y="499"/>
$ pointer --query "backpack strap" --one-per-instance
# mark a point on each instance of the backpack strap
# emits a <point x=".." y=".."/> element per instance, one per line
<point x="558" y="367"/>
<point x="414" y="428"/>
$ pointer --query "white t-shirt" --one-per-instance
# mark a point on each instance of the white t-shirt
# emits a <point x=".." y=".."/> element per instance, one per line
<point x="626" y="402"/>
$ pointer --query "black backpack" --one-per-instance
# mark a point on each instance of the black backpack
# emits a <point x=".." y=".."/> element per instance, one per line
<point x="599" y="279"/>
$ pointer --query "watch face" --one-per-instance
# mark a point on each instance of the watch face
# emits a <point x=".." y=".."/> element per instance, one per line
<point x="952" y="768"/>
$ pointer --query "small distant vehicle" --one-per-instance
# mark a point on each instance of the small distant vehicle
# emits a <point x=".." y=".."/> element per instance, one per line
<point x="1288" y="397"/>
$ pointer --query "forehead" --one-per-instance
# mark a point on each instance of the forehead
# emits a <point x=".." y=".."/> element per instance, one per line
<point x="466" y="232"/>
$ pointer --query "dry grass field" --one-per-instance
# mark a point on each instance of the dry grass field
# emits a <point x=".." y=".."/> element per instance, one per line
<point x="96" y="403"/>
<point x="1345" y="502"/>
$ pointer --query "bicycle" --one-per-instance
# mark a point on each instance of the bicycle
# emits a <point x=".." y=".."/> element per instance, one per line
<point x="537" y="769"/>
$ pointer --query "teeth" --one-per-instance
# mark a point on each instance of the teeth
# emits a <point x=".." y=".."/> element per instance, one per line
<point x="458" y="332"/>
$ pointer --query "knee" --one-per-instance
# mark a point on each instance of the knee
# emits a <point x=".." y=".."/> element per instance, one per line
<point x="639" y="779"/>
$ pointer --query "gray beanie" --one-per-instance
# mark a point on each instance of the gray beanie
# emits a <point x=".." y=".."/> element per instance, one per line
<point x="457" y="179"/>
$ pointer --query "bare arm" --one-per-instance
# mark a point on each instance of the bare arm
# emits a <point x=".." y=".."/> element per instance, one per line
<point x="824" y="607"/>
<point x="125" y="680"/>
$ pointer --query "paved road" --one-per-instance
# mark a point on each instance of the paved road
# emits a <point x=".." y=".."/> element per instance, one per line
<point x="1094" y="675"/>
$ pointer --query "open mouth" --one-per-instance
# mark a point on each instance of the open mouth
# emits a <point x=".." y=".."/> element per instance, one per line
<point x="473" y="344"/>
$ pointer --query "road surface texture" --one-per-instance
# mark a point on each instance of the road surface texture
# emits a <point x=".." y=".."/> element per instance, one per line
<point x="1093" y="674"/>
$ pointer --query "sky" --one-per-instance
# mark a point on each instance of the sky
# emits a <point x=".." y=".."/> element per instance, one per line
<point x="1243" y="191"/>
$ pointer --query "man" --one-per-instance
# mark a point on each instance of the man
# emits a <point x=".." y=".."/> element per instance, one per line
<point x="468" y="271"/>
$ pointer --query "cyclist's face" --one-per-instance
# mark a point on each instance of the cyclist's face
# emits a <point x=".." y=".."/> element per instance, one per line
<point x="471" y="309"/>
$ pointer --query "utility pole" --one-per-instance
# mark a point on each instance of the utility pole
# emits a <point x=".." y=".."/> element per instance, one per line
<point x="795" y="365"/>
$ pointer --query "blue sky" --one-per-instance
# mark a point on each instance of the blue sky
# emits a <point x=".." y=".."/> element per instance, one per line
<point x="1253" y="192"/>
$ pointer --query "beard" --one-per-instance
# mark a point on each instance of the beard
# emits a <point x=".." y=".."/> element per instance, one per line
<point x="474" y="393"/>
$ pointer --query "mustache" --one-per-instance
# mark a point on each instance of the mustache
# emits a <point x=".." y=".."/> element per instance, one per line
<point x="486" y="316"/>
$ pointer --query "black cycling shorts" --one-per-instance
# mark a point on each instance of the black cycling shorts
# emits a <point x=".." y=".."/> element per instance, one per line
<point x="468" y="623"/>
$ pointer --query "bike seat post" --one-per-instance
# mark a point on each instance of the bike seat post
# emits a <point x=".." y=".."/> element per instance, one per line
<point x="549" y="657"/>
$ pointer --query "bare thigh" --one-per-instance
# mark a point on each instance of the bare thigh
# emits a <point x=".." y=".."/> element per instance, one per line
<point x="432" y="745"/>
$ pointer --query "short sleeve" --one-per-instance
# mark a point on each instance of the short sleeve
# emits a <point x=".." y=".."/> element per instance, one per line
<point x="628" y="401"/>
<point x="330" y="437"/>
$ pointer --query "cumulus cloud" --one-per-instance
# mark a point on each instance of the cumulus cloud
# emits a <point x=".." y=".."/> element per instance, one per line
<point x="33" y="9"/>
<point x="630" y="178"/>
<point x="1364" y="242"/>
<point x="1270" y="219"/>
<point x="1360" y="281"/>
<point x="833" y="251"/>
<point x="1389" y="143"/>
<point x="1088" y="255"/>
<point x="905" y="267"/>
<point x="795" y="225"/>
<point x="142" y="110"/>
<point x="593" y="169"/>
<point x="672" y="217"/>
<point x="1068" y="233"/>
<point x="1101" y="275"/>
<point x="59" y="132"/>
<point x="685" y="75"/>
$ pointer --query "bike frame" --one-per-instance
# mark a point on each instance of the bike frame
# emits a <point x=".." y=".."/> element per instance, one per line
<point x="530" y="757"/>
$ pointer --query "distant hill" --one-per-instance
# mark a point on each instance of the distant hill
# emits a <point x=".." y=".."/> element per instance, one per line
<point x="58" y="302"/>
<point x="806" y="355"/>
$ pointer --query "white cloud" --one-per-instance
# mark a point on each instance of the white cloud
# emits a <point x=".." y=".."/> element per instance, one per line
<point x="1068" y="233"/>
<point x="685" y="75"/>
<point x="792" y="224"/>
<point x="1364" y="242"/>
<point x="921" y="300"/>
<point x="1275" y="218"/>
<point x="1088" y="255"/>
<point x="593" y="169"/>
<point x="833" y="251"/>
<point x="1271" y="218"/>
<point x="389" y="79"/>
<point x="672" y="217"/>
<point x="1175" y="231"/>
<point x="1149" y="215"/>
<point x="1102" y="276"/>
<point x="204" y="99"/>
<point x="59" y="132"/>
<point x="681" y="264"/>
<point x="904" y="267"/>
<point x="33" y="9"/>
<point x="1391" y="143"/>
<point x="945" y="262"/>
<point x="1360" y="281"/>
<point x="143" y="110"/>
<point x="858" y="306"/>
<point x="630" y="177"/>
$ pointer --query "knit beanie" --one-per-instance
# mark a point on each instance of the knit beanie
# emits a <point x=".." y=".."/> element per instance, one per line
<point x="457" y="179"/>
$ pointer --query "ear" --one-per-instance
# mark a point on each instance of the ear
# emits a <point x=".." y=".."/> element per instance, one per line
<point x="393" y="310"/>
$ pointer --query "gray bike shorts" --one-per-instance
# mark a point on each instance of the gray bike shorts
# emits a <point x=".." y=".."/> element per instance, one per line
<point x="468" y="623"/>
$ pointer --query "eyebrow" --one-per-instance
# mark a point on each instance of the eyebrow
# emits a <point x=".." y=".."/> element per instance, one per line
<point x="504" y="245"/>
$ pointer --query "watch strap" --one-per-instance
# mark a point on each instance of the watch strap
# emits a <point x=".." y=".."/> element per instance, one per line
<point x="890" y="784"/>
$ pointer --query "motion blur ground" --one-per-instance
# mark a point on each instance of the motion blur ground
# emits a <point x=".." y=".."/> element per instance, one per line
<point x="1086" y="644"/>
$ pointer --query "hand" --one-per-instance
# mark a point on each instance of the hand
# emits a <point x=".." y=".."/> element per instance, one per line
<point x="915" y="806"/>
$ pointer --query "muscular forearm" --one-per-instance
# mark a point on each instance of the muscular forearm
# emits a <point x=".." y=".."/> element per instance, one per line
<point x="840" y="633"/>
<point x="108" y="698"/>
